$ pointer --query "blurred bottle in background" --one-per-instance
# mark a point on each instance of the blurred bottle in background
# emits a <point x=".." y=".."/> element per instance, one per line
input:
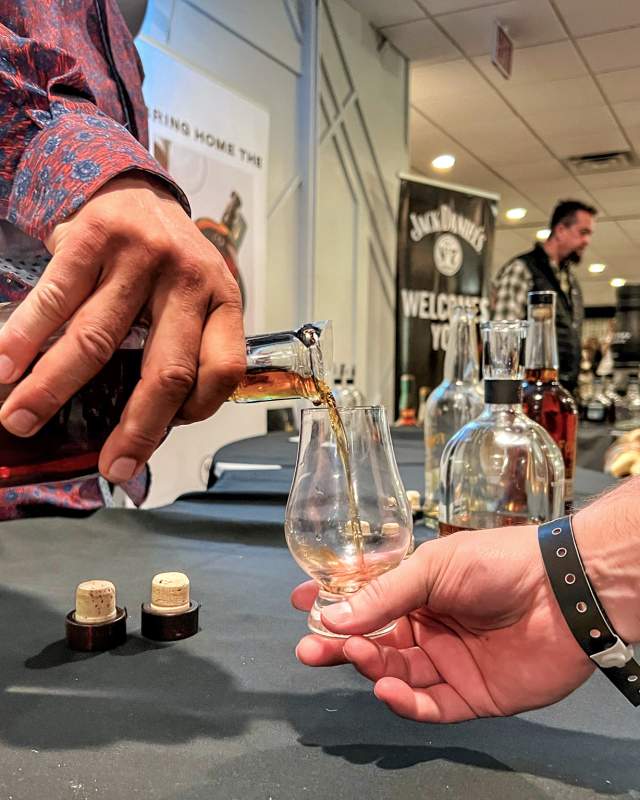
<point x="455" y="401"/>
<point x="407" y="407"/>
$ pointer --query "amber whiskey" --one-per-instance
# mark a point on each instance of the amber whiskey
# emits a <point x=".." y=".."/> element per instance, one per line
<point x="545" y="400"/>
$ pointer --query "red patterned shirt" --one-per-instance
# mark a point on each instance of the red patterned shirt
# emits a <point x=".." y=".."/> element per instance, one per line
<point x="72" y="117"/>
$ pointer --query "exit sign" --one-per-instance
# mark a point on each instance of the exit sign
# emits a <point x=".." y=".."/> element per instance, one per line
<point x="502" y="55"/>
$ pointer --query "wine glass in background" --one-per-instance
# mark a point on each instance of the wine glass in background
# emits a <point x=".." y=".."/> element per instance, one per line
<point x="348" y="518"/>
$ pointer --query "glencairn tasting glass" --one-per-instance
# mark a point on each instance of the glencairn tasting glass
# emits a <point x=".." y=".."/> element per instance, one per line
<point x="502" y="468"/>
<point x="279" y="365"/>
<point x="453" y="403"/>
<point x="348" y="518"/>
<point x="544" y="400"/>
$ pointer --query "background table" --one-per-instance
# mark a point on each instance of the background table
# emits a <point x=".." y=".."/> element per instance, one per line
<point x="229" y="714"/>
<point x="249" y="481"/>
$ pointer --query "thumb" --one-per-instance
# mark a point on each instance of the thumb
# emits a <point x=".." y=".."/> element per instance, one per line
<point x="393" y="594"/>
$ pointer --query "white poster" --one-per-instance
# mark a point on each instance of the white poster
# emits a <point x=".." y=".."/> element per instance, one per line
<point x="214" y="143"/>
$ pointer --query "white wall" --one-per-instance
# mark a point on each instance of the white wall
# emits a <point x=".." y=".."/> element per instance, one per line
<point x="268" y="51"/>
<point x="362" y="145"/>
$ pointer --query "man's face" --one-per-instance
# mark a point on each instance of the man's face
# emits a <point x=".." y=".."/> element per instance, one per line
<point x="574" y="238"/>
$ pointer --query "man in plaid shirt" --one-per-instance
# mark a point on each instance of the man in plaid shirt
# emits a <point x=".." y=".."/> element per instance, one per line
<point x="549" y="267"/>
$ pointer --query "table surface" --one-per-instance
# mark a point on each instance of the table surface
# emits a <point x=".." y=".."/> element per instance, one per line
<point x="230" y="713"/>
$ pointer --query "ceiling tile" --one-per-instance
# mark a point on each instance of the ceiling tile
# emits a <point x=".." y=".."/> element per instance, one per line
<point x="548" y="62"/>
<point x="382" y="12"/>
<point x="546" y="96"/>
<point x="584" y="17"/>
<point x="548" y="193"/>
<point x="619" y="200"/>
<point x="621" y="85"/>
<point x="444" y="82"/>
<point x="581" y="120"/>
<point x="632" y="228"/>
<point x="566" y="146"/>
<point x="541" y="170"/>
<point x="422" y="40"/>
<point x="609" y="236"/>
<point x="447" y="6"/>
<point x="609" y="51"/>
<point x="528" y="24"/>
<point x="609" y="180"/>
<point x="628" y="113"/>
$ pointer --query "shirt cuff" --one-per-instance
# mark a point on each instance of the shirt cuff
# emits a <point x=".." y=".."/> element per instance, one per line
<point x="68" y="160"/>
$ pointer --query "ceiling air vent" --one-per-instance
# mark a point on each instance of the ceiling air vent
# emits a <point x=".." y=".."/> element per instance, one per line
<point x="601" y="162"/>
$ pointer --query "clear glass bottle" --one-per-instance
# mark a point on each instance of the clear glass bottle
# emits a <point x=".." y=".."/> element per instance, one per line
<point x="632" y="399"/>
<point x="544" y="399"/>
<point x="454" y="402"/>
<point x="407" y="405"/>
<point x="501" y="468"/>
<point x="600" y="408"/>
<point x="356" y="397"/>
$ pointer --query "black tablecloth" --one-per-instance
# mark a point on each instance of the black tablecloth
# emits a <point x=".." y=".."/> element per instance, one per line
<point x="230" y="714"/>
<point x="248" y="499"/>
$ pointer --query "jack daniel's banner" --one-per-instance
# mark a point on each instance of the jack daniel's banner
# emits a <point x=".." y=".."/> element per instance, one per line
<point x="445" y="241"/>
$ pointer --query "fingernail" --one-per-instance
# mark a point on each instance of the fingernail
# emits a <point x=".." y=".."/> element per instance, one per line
<point x="21" y="422"/>
<point x="340" y="612"/>
<point x="122" y="469"/>
<point x="7" y="368"/>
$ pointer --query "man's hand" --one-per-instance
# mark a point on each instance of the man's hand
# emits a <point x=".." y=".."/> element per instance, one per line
<point x="130" y="248"/>
<point x="479" y="630"/>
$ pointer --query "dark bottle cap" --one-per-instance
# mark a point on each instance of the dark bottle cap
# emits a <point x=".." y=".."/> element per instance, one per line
<point x="96" y="637"/>
<point x="169" y="627"/>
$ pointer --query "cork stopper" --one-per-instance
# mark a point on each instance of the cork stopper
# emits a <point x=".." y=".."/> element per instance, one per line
<point x="169" y="593"/>
<point x="390" y="529"/>
<point x="95" y="602"/>
<point x="364" y="527"/>
<point x="413" y="497"/>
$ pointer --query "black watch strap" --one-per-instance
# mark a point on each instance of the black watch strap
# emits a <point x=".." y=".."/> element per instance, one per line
<point x="582" y="611"/>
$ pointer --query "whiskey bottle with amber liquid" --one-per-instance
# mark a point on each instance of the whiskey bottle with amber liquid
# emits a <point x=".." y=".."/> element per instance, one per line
<point x="544" y="399"/>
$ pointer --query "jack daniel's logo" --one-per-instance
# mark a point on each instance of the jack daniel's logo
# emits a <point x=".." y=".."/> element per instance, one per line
<point x="445" y="220"/>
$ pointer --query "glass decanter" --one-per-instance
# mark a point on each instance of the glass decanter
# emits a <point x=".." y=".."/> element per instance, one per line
<point x="453" y="403"/>
<point x="502" y="468"/>
<point x="348" y="518"/>
<point x="545" y="400"/>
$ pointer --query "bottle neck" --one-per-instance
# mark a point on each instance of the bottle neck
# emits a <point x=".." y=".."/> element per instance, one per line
<point x="461" y="360"/>
<point x="503" y="392"/>
<point x="542" y="344"/>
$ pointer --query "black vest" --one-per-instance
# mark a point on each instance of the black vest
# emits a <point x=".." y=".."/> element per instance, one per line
<point x="569" y="313"/>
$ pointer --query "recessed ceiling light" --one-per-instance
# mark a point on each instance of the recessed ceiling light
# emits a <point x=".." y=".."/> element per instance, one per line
<point x="616" y="282"/>
<point x="543" y="234"/>
<point x="516" y="213"/>
<point x="597" y="267"/>
<point x="443" y="162"/>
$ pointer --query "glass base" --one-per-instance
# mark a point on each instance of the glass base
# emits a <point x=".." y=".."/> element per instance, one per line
<point x="325" y="599"/>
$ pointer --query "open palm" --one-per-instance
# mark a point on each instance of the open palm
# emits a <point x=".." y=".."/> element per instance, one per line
<point x="479" y="631"/>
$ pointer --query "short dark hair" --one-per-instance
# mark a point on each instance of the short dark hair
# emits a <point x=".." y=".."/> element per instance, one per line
<point x="565" y="212"/>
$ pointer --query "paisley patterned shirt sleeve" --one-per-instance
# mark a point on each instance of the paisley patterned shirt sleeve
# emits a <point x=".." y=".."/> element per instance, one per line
<point x="56" y="147"/>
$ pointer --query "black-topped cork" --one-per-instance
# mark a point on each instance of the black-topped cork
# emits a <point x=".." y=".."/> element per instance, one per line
<point x="171" y="615"/>
<point x="96" y="623"/>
